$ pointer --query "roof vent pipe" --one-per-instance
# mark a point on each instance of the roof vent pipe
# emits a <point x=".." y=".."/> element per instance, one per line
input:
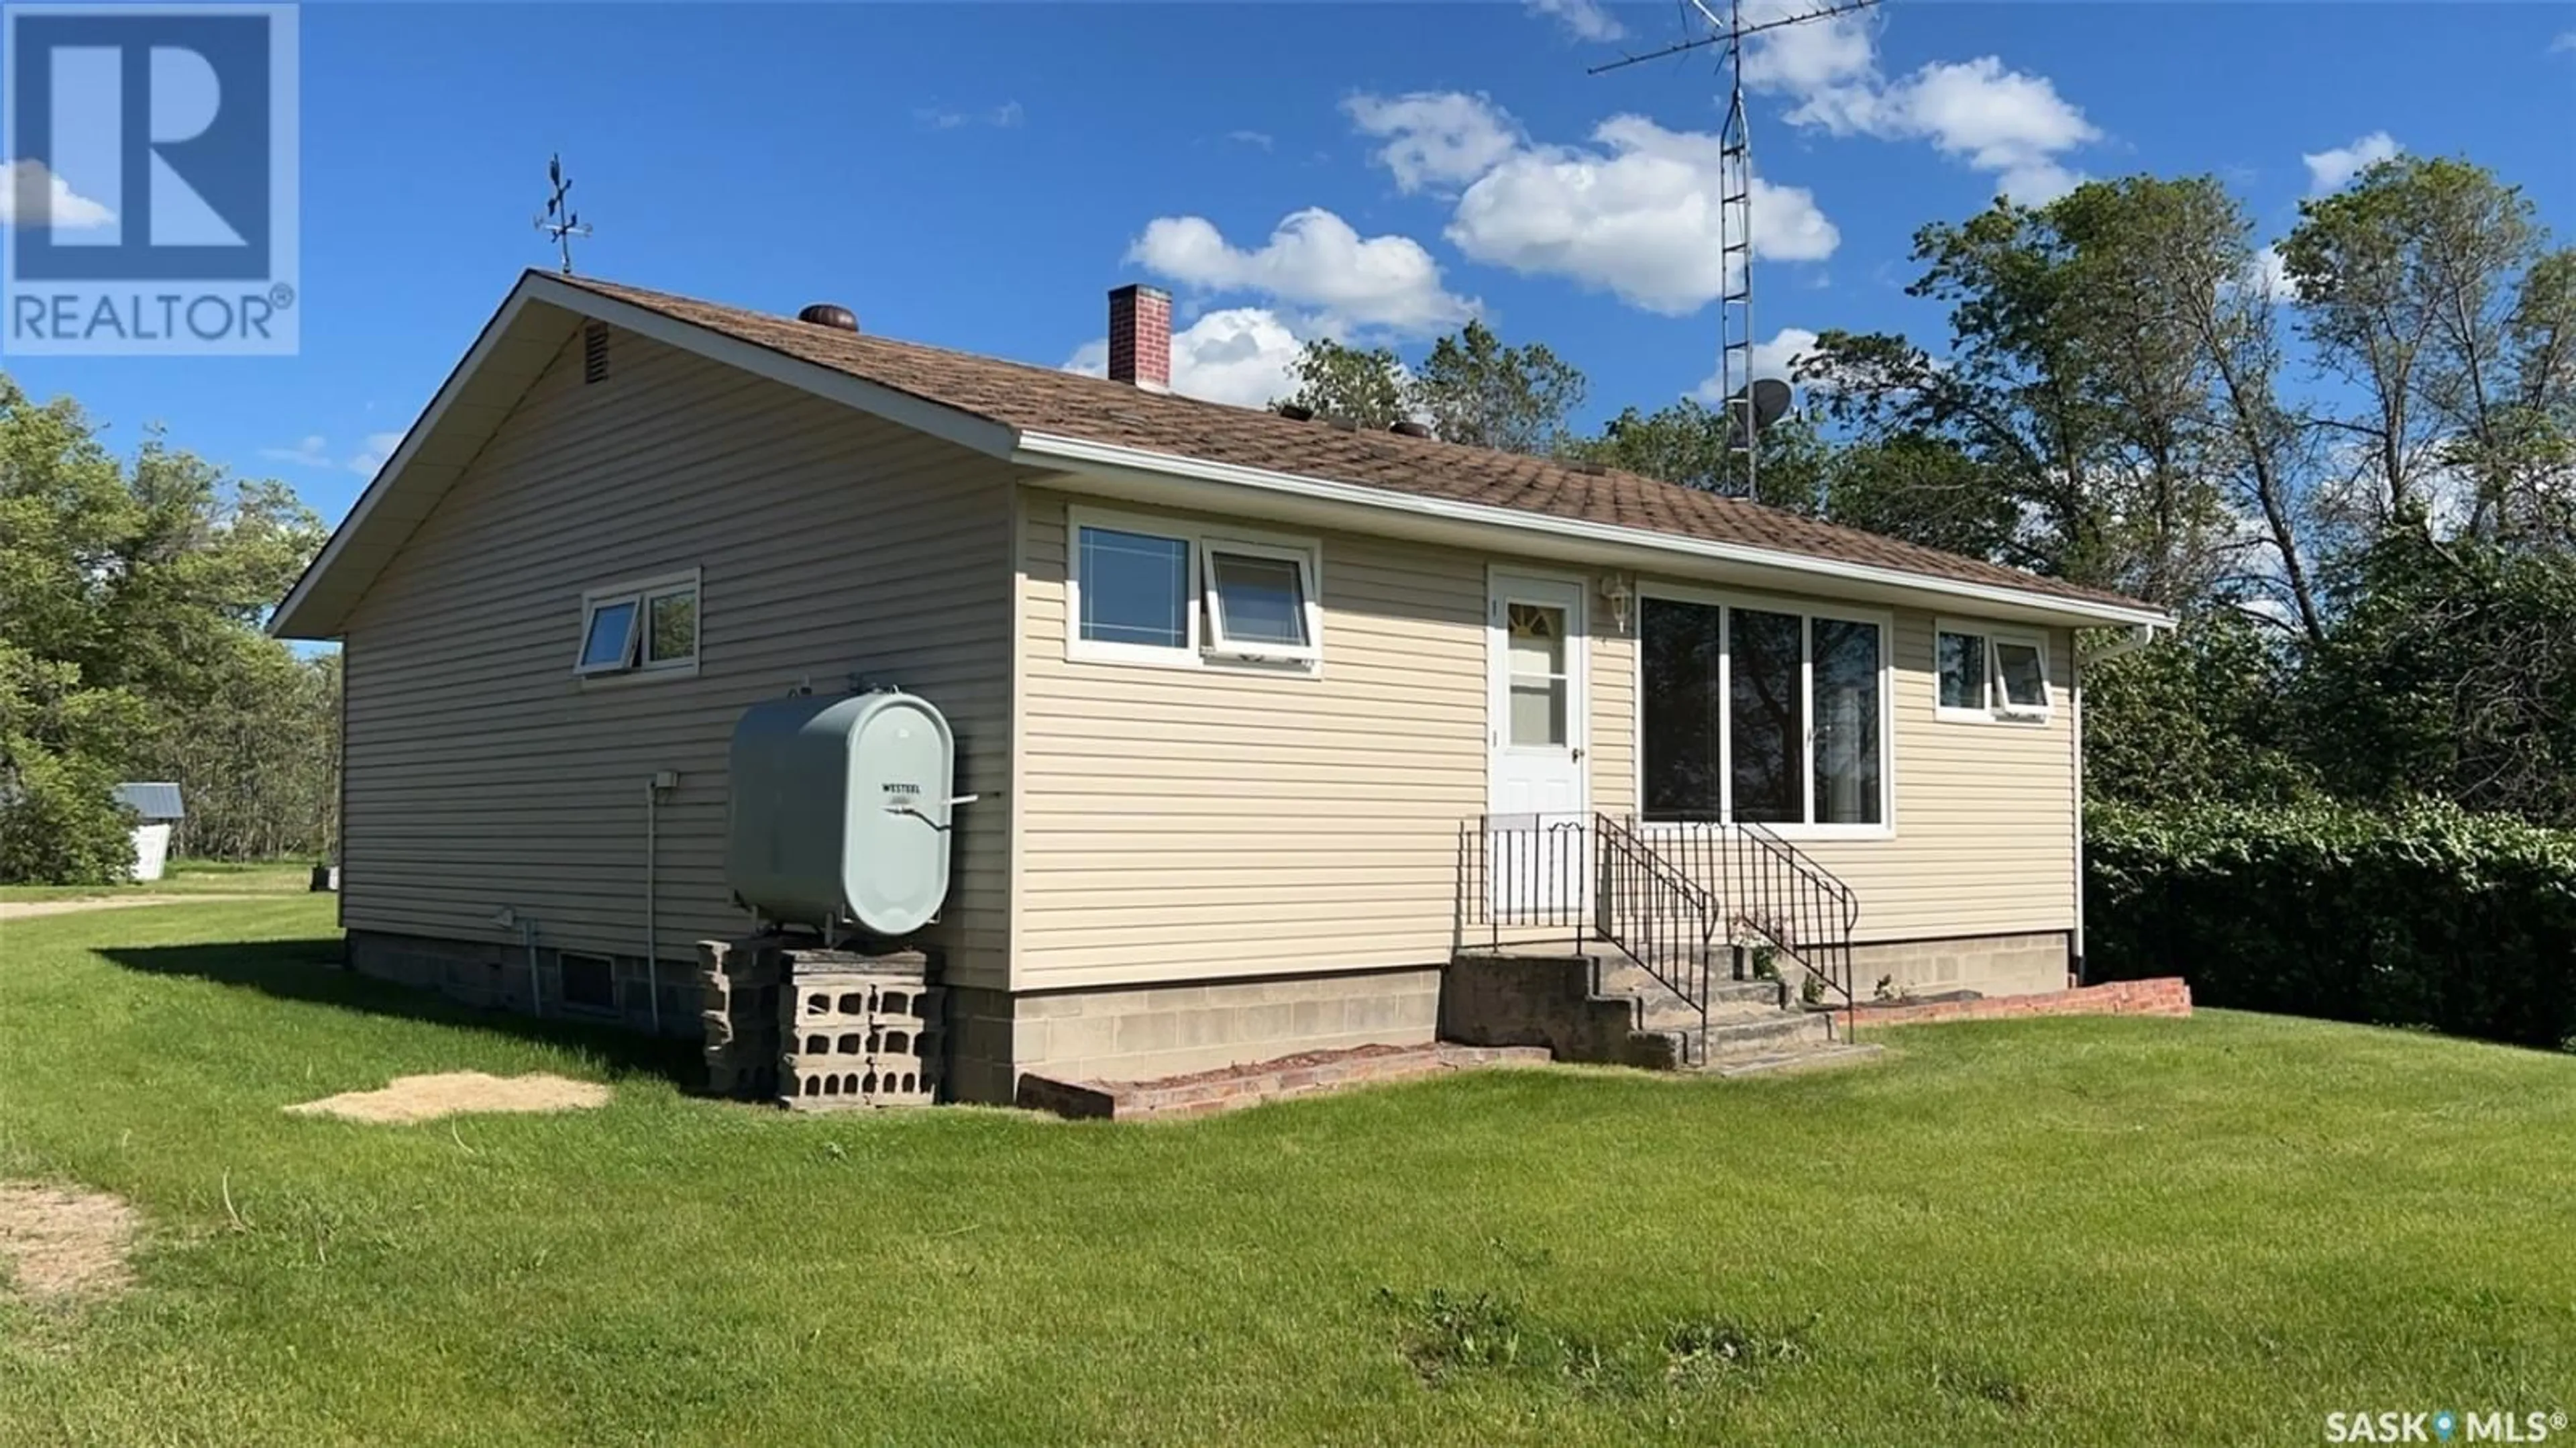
<point x="829" y="314"/>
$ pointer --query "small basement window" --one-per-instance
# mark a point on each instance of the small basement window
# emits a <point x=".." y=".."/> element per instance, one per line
<point x="643" y="627"/>
<point x="1150" y="592"/>
<point x="1991" y="673"/>
<point x="589" y="982"/>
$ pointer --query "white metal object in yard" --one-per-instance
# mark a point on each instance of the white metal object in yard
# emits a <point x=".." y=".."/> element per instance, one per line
<point x="151" y="851"/>
<point x="157" y="809"/>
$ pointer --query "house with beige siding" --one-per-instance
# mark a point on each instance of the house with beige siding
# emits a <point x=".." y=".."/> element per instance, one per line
<point x="1278" y="729"/>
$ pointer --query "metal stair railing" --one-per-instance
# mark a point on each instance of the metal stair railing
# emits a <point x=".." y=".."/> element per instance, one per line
<point x="1661" y="900"/>
<point x="1530" y="873"/>
<point x="1657" y="916"/>
<point x="1797" y="907"/>
<point x="1767" y="894"/>
<point x="1521" y="872"/>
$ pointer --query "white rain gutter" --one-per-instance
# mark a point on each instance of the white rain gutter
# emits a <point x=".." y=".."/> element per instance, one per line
<point x="2139" y="636"/>
<point x="1049" y="450"/>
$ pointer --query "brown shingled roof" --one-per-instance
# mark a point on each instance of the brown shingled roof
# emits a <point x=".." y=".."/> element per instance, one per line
<point x="1067" y="404"/>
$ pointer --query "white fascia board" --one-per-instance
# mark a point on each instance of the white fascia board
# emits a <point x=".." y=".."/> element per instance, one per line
<point x="1079" y="455"/>
<point x="282" y="621"/>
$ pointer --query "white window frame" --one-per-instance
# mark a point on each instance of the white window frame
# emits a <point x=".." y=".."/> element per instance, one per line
<point x="1883" y="620"/>
<point x="1218" y="644"/>
<point x="1998" y="709"/>
<point x="1203" y="648"/>
<point x="642" y="593"/>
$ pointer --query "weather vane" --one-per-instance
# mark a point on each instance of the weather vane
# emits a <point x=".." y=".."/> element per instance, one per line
<point x="559" y="220"/>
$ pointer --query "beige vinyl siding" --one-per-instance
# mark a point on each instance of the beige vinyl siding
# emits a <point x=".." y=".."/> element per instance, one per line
<point x="482" y="774"/>
<point x="1185" y="824"/>
<point x="1179" y="824"/>
<point x="1985" y="812"/>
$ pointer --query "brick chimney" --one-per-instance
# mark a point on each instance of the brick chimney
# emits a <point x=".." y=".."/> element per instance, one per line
<point x="1140" y="337"/>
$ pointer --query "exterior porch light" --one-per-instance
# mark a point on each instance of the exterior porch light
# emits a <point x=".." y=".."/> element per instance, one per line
<point x="1616" y="593"/>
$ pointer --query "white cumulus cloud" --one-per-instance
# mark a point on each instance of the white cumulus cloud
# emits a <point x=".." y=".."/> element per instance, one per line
<point x="1001" y="118"/>
<point x="62" y="208"/>
<point x="1775" y="358"/>
<point x="1583" y="19"/>
<point x="2268" y="276"/>
<point x="1240" y="356"/>
<point x="315" y="451"/>
<point x="373" y="452"/>
<point x="2330" y="170"/>
<point x="1636" y="215"/>
<point x="1312" y="260"/>
<point x="1779" y="356"/>
<point x="1435" y="139"/>
<point x="2005" y="122"/>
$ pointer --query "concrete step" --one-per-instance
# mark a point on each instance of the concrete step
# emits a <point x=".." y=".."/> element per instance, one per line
<point x="1618" y="975"/>
<point x="1812" y="1058"/>
<point x="1761" y="1035"/>
<point x="1664" y="1011"/>
<point x="1601" y="1006"/>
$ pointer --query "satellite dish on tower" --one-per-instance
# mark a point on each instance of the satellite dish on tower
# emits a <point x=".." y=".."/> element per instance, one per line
<point x="1770" y="399"/>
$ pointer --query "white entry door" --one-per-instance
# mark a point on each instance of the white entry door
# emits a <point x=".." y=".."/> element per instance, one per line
<point x="1536" y="795"/>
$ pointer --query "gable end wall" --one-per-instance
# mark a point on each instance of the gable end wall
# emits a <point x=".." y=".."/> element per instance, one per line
<point x="483" y="775"/>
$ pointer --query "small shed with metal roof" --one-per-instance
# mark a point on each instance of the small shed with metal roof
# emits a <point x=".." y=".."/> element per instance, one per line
<point x="157" y="811"/>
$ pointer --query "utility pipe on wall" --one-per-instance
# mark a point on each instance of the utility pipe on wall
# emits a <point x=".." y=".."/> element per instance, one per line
<point x="653" y="787"/>
<point x="536" y="991"/>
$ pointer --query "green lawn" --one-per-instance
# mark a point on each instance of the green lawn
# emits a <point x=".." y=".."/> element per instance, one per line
<point x="2040" y="1232"/>
<point x="186" y="877"/>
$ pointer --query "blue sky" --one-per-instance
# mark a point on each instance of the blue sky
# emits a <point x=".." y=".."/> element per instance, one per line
<point x="980" y="175"/>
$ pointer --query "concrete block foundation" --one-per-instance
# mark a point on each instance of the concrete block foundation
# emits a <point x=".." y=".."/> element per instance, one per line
<point x="495" y="976"/>
<point x="1142" y="1033"/>
<point x="994" y="1037"/>
<point x="991" y="1037"/>
<point x="1994" y="965"/>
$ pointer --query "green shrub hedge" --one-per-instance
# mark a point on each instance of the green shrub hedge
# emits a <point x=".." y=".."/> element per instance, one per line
<point x="2426" y="915"/>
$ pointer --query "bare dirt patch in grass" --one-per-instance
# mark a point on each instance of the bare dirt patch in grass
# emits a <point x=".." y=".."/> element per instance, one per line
<point x="57" y="1243"/>
<point x="451" y="1093"/>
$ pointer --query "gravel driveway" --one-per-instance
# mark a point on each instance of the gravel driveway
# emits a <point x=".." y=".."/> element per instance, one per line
<point x="29" y="909"/>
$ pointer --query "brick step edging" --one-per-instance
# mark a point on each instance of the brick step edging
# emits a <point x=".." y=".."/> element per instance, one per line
<point x="2168" y="996"/>
<point x="1230" y="1088"/>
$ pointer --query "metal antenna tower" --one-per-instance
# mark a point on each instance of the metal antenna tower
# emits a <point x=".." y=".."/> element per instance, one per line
<point x="559" y="222"/>
<point x="1727" y="32"/>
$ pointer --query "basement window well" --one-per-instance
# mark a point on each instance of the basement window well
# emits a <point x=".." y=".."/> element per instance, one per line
<point x="589" y="982"/>
<point x="648" y="626"/>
